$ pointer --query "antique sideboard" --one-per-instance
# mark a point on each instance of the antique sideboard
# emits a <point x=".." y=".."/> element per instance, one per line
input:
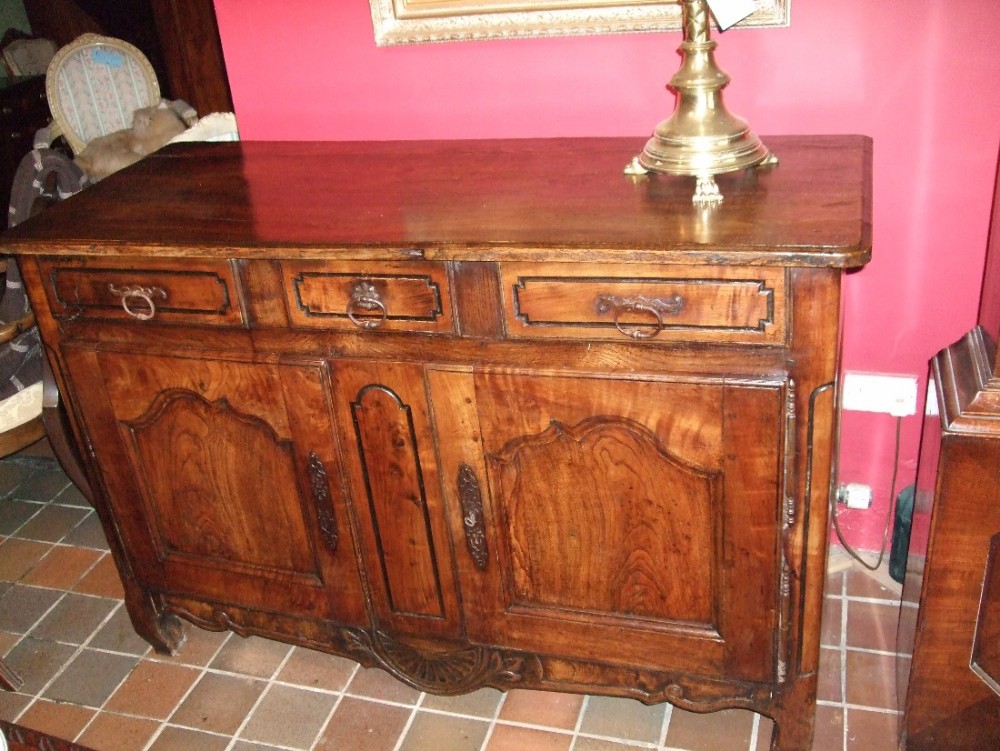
<point x="480" y="413"/>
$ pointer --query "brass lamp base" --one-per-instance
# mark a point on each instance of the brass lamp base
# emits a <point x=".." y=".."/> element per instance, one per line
<point x="701" y="138"/>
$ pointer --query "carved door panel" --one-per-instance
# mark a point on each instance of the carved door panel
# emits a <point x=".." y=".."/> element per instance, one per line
<point x="232" y="490"/>
<point x="634" y="520"/>
<point x="396" y="496"/>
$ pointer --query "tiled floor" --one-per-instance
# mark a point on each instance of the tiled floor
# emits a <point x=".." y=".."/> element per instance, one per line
<point x="89" y="678"/>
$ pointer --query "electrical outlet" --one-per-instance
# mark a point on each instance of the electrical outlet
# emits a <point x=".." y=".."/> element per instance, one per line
<point x="873" y="392"/>
<point x="855" y="495"/>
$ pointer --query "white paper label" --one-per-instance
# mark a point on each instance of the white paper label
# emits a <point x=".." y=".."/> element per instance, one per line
<point x="729" y="12"/>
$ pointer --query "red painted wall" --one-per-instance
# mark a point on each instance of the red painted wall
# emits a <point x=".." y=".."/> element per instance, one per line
<point x="921" y="77"/>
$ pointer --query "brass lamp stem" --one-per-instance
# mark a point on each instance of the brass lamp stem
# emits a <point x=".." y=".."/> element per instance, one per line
<point x="702" y="138"/>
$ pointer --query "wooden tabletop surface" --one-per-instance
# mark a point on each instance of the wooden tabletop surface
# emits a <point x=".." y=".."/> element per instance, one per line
<point x="529" y="199"/>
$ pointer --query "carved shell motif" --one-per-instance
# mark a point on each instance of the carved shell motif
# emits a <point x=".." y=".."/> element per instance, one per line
<point x="439" y="672"/>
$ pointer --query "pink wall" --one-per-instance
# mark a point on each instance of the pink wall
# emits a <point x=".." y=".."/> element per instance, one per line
<point x="918" y="76"/>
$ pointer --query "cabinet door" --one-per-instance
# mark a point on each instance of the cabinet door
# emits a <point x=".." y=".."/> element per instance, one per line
<point x="396" y="496"/>
<point x="224" y="479"/>
<point x="631" y="520"/>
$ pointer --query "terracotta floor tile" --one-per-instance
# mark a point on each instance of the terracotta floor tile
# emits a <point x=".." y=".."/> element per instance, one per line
<point x="249" y="746"/>
<point x="546" y="708"/>
<point x="11" y="705"/>
<point x="62" y="567"/>
<point x="74" y="618"/>
<point x="829" y="680"/>
<point x="481" y="703"/>
<point x="12" y="474"/>
<point x="290" y="717"/>
<point x="834" y="583"/>
<point x="307" y="667"/>
<point x="14" y="513"/>
<point x="829" y="734"/>
<point x="7" y="641"/>
<point x="22" y="606"/>
<point x="88" y="534"/>
<point x="61" y="720"/>
<point x="250" y="656"/>
<point x="199" y="646"/>
<point x="114" y="732"/>
<point x="118" y="635"/>
<point x="153" y="689"/>
<point x="71" y="496"/>
<point x="871" y="680"/>
<point x="445" y="733"/>
<point x="218" y="703"/>
<point x="623" y="718"/>
<point x="872" y="626"/>
<point x="871" y="731"/>
<point x="831" y="629"/>
<point x="714" y="731"/>
<point x="185" y="739"/>
<point x="862" y="584"/>
<point x="511" y="738"/>
<point x="91" y="678"/>
<point x="42" y="484"/>
<point x="52" y="523"/>
<point x="102" y="580"/>
<point x="377" y="684"/>
<point x="38" y="661"/>
<point x="599" y="744"/>
<point x="17" y="557"/>
<point x="362" y="725"/>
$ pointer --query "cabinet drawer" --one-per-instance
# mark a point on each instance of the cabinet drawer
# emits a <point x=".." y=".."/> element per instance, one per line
<point x="187" y="291"/>
<point x="402" y="296"/>
<point x="644" y="303"/>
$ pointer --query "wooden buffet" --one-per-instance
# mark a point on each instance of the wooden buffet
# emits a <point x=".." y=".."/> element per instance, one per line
<point x="480" y="413"/>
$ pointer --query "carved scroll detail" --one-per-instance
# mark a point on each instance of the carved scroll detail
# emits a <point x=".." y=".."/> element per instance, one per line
<point x="440" y="672"/>
<point x="471" y="499"/>
<point x="320" y="484"/>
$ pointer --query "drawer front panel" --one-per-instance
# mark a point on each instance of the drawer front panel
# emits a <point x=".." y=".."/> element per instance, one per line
<point x="404" y="296"/>
<point x="186" y="291"/>
<point x="645" y="303"/>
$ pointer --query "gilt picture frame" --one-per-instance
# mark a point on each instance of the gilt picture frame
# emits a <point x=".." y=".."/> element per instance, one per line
<point x="416" y="21"/>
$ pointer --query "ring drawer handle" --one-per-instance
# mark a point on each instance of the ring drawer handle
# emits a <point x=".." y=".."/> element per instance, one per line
<point x="653" y="305"/>
<point x="364" y="297"/>
<point x="135" y="293"/>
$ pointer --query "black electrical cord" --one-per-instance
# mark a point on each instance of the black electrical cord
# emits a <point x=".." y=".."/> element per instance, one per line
<point x="888" y="513"/>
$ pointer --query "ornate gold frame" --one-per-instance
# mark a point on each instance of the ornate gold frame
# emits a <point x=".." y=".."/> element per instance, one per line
<point x="412" y="21"/>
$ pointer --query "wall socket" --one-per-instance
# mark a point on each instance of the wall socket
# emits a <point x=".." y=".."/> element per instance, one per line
<point x="874" y="392"/>
<point x="855" y="495"/>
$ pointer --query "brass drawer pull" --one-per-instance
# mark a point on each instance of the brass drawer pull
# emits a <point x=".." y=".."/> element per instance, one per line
<point x="471" y="499"/>
<point x="654" y="305"/>
<point x="134" y="293"/>
<point x="364" y="297"/>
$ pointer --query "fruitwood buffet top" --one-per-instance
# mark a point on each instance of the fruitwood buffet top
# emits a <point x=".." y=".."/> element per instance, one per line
<point x="565" y="200"/>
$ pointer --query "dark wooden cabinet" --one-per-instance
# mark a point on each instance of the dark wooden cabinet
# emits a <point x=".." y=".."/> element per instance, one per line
<point x="478" y="413"/>
<point x="950" y="619"/>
